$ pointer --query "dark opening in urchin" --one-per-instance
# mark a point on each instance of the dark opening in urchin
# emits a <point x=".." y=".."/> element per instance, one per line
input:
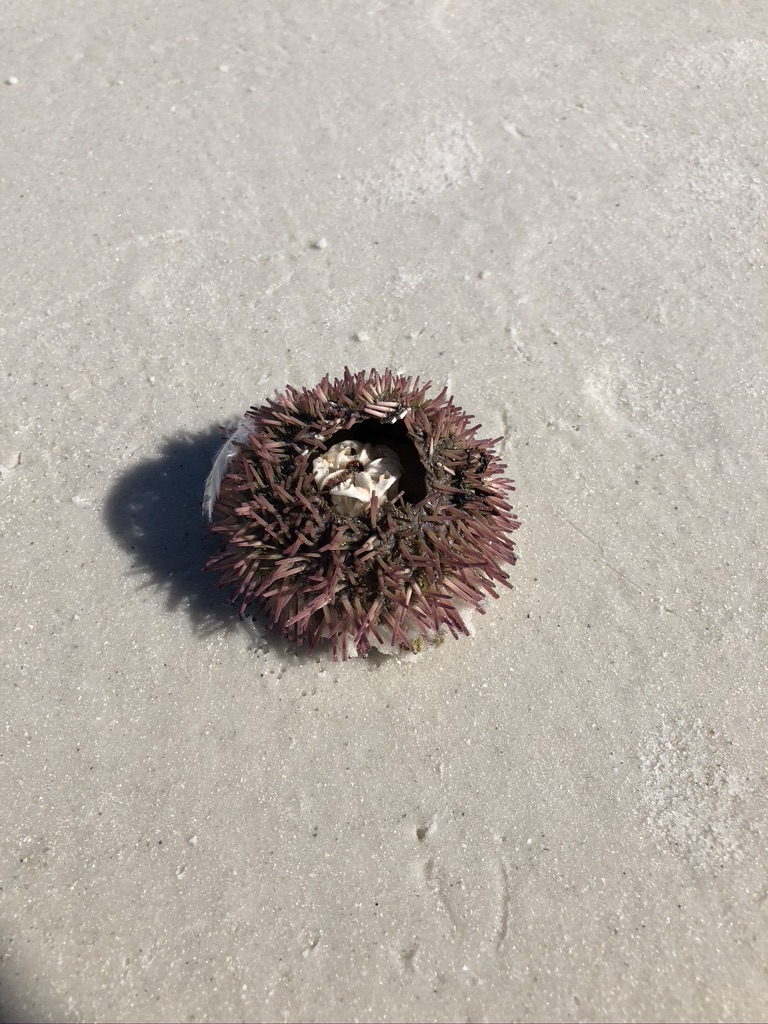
<point x="362" y="512"/>
<point x="394" y="436"/>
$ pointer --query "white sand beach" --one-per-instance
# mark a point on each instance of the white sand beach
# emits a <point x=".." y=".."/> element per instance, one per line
<point x="557" y="209"/>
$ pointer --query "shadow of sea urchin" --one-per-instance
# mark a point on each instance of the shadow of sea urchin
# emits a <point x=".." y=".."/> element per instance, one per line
<point x="362" y="512"/>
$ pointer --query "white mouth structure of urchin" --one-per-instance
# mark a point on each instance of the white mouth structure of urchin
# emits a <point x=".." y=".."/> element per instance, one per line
<point x="353" y="472"/>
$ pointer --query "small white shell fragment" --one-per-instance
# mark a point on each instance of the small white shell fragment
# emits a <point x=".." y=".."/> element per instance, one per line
<point x="362" y="336"/>
<point x="352" y="472"/>
<point x="9" y="464"/>
<point x="11" y="80"/>
<point x="321" y="243"/>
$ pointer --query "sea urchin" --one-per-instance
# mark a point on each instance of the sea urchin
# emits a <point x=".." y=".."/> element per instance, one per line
<point x="361" y="512"/>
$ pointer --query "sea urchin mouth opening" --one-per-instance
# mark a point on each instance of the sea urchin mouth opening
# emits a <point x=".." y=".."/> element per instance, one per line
<point x="413" y="478"/>
<point x="354" y="475"/>
<point x="362" y="512"/>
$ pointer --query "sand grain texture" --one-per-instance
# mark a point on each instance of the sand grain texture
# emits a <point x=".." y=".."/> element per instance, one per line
<point x="560" y="210"/>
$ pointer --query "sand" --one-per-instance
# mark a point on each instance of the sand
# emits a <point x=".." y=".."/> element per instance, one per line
<point x="559" y="210"/>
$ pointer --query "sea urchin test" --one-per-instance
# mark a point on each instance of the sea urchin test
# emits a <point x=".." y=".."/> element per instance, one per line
<point x="353" y="473"/>
<point x="360" y="512"/>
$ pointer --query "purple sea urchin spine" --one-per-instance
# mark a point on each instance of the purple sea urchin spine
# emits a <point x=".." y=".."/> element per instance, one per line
<point x="332" y="552"/>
